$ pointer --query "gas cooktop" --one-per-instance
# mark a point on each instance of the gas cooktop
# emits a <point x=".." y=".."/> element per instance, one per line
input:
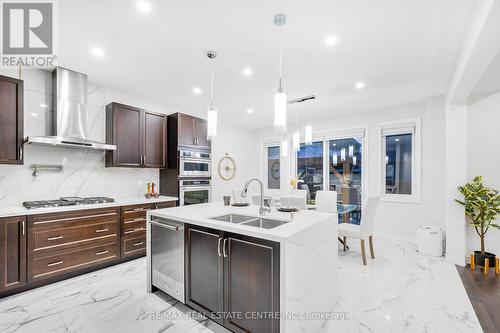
<point x="66" y="201"/>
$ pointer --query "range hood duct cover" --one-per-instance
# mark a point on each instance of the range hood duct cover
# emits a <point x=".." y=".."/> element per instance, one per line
<point x="69" y="113"/>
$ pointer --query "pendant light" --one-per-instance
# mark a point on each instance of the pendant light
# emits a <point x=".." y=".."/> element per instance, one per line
<point x="308" y="134"/>
<point x="280" y="100"/>
<point x="212" y="111"/>
<point x="284" y="147"/>
<point x="296" y="133"/>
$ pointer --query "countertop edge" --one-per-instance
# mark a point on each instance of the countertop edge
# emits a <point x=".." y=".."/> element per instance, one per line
<point x="22" y="211"/>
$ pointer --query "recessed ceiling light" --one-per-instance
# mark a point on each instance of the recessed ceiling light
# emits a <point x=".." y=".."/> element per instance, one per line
<point x="249" y="111"/>
<point x="247" y="71"/>
<point x="331" y="40"/>
<point x="43" y="105"/>
<point x="360" y="85"/>
<point x="397" y="140"/>
<point x="97" y="51"/>
<point x="197" y="90"/>
<point x="143" y="6"/>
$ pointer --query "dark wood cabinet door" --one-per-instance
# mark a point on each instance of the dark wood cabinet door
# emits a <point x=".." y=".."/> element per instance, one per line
<point x="11" y="120"/>
<point x="186" y="130"/>
<point x="12" y="253"/>
<point x="204" y="271"/>
<point x="154" y="140"/>
<point x="251" y="283"/>
<point x="201" y="133"/>
<point x="127" y="135"/>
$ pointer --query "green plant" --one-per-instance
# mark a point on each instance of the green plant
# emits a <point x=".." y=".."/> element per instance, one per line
<point x="482" y="206"/>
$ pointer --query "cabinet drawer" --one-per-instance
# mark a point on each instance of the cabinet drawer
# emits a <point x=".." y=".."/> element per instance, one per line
<point x="73" y="218"/>
<point x="71" y="260"/>
<point x="165" y="204"/>
<point x="134" y="244"/>
<point x="134" y="228"/>
<point x="62" y="236"/>
<point x="135" y="211"/>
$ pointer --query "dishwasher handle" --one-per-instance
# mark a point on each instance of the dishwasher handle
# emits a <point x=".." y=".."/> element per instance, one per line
<point x="168" y="226"/>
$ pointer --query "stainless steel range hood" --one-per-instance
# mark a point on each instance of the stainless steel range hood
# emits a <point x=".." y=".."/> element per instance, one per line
<point x="69" y="113"/>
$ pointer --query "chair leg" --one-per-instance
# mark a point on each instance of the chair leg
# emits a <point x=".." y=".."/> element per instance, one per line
<point x="363" y="254"/>
<point x="345" y="243"/>
<point x="370" y="239"/>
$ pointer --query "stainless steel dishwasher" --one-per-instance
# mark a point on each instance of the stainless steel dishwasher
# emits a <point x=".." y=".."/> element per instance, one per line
<point x="167" y="256"/>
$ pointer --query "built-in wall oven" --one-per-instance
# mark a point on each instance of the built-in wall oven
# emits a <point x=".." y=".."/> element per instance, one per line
<point x="167" y="256"/>
<point x="194" y="164"/>
<point x="194" y="191"/>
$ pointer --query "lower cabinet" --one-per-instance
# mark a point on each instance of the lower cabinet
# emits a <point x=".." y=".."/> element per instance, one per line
<point x="12" y="253"/>
<point x="233" y="279"/>
<point x="60" y="243"/>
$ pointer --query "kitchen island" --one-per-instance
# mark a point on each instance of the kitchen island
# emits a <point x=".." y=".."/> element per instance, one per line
<point x="277" y="274"/>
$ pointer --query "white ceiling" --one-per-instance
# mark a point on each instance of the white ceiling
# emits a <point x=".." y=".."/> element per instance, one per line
<point x="403" y="50"/>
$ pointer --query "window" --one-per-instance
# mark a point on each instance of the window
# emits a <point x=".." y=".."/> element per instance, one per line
<point x="345" y="175"/>
<point x="273" y="167"/>
<point x="400" y="161"/>
<point x="310" y="168"/>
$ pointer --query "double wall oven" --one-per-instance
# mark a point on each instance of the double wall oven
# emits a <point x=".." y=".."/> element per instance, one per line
<point x="194" y="174"/>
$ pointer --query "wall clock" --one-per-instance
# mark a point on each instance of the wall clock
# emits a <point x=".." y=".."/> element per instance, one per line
<point x="226" y="167"/>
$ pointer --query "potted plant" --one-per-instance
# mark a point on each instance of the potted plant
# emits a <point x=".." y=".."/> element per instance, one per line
<point x="482" y="206"/>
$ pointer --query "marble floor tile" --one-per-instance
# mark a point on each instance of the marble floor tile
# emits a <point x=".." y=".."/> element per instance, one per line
<point x="399" y="291"/>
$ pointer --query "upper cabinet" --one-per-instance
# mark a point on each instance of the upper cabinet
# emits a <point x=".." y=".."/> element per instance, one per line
<point x="11" y="120"/>
<point x="187" y="131"/>
<point x="139" y="136"/>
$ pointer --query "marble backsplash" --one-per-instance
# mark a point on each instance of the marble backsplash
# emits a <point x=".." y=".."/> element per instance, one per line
<point x="84" y="173"/>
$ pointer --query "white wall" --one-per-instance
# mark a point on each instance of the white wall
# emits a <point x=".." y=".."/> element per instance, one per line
<point x="238" y="143"/>
<point x="84" y="172"/>
<point x="484" y="158"/>
<point x="395" y="219"/>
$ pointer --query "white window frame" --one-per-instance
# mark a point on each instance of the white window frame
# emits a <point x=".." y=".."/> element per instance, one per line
<point x="267" y="143"/>
<point x="404" y="126"/>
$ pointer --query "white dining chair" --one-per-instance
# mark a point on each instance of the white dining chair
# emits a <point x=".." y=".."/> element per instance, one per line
<point x="293" y="201"/>
<point x="300" y="193"/>
<point x="256" y="199"/>
<point x="326" y="201"/>
<point x="364" y="230"/>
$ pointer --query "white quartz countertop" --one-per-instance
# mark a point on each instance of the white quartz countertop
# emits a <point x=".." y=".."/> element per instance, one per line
<point x="21" y="210"/>
<point x="201" y="214"/>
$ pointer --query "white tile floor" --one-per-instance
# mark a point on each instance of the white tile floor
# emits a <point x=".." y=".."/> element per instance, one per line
<point x="399" y="291"/>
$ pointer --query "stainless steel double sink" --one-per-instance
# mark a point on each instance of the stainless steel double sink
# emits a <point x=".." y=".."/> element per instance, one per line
<point x="252" y="221"/>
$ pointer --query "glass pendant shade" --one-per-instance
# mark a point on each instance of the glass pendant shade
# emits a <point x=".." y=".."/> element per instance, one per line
<point x="351" y="151"/>
<point x="284" y="147"/>
<point x="296" y="140"/>
<point x="335" y="159"/>
<point x="354" y="160"/>
<point x="308" y="135"/>
<point x="280" y="110"/>
<point x="212" y="122"/>
<point x="342" y="154"/>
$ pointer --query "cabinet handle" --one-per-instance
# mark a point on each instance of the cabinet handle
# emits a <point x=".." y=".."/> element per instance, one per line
<point x="23" y="230"/>
<point x="101" y="253"/>
<point x="218" y="247"/>
<point x="20" y="153"/>
<point x="224" y="248"/>
<point x="134" y="220"/>
<point x="55" y="238"/>
<point x="55" y="263"/>
<point x="102" y="230"/>
<point x="138" y="244"/>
